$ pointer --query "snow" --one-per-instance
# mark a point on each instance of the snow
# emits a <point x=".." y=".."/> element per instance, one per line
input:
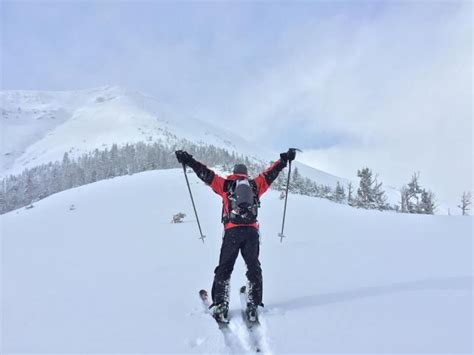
<point x="114" y="275"/>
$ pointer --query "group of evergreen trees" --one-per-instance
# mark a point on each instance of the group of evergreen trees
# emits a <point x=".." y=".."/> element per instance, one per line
<point x="369" y="194"/>
<point x="39" y="182"/>
<point x="414" y="199"/>
<point x="305" y="186"/>
<point x="44" y="180"/>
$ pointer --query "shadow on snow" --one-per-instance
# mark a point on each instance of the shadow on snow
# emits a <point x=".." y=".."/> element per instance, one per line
<point x="449" y="283"/>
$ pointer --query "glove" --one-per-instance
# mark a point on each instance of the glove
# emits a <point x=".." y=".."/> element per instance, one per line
<point x="183" y="157"/>
<point x="289" y="155"/>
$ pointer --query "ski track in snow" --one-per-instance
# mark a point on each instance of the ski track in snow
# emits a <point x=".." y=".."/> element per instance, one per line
<point x="234" y="335"/>
<point x="238" y="329"/>
<point x="245" y="340"/>
<point x="238" y="338"/>
<point x="261" y="334"/>
<point x="257" y="335"/>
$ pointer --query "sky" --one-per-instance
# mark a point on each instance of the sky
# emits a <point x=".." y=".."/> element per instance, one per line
<point x="383" y="84"/>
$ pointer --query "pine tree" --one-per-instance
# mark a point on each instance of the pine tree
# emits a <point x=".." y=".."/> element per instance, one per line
<point x="313" y="188"/>
<point x="31" y="187"/>
<point x="379" y="196"/>
<point x="404" y="196"/>
<point x="339" y="194"/>
<point x="280" y="182"/>
<point x="414" y="194"/>
<point x="296" y="181"/>
<point x="3" y="196"/>
<point x="415" y="199"/>
<point x="369" y="194"/>
<point x="427" y="203"/>
<point x="350" y="191"/>
<point x="306" y="187"/>
<point x="364" y="192"/>
<point x="66" y="178"/>
<point x="465" y="203"/>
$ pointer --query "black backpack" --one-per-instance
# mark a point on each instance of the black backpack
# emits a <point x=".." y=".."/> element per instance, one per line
<point x="243" y="202"/>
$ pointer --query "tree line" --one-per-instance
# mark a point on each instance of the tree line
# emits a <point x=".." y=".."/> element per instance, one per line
<point x="36" y="183"/>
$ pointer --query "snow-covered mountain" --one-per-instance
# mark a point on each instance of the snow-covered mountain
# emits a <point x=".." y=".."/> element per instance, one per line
<point x="100" y="269"/>
<point x="40" y="126"/>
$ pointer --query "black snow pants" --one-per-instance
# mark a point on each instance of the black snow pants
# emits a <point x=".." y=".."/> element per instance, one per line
<point x="245" y="239"/>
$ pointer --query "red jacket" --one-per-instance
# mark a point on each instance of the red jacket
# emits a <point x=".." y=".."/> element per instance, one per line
<point x="222" y="185"/>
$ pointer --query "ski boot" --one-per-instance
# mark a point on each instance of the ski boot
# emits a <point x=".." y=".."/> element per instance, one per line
<point x="219" y="312"/>
<point x="252" y="313"/>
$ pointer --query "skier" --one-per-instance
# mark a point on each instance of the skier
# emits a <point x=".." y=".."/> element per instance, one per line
<point x="241" y="200"/>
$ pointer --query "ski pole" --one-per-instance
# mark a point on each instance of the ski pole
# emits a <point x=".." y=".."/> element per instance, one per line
<point x="281" y="235"/>
<point x="192" y="200"/>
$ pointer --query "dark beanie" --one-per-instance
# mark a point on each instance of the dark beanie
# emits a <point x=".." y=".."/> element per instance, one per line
<point x="240" y="169"/>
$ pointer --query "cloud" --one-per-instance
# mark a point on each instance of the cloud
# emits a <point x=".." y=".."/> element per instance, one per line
<point x="398" y="88"/>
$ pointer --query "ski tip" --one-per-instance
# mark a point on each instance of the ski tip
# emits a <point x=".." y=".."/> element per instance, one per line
<point x="243" y="289"/>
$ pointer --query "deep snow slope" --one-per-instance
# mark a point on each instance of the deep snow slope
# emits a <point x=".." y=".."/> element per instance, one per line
<point x="111" y="274"/>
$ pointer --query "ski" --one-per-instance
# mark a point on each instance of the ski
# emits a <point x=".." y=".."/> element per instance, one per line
<point x="231" y="339"/>
<point x="252" y="324"/>
<point x="222" y="322"/>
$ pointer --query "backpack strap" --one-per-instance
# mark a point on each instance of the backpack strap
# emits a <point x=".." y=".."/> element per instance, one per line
<point x="228" y="185"/>
<point x="255" y="191"/>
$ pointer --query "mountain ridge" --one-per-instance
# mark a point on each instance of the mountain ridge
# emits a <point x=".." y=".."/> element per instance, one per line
<point x="40" y="126"/>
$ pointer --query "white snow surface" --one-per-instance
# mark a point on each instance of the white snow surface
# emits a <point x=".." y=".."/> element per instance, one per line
<point x="111" y="274"/>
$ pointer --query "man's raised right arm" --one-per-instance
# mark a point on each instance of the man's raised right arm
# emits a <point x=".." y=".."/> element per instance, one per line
<point x="208" y="176"/>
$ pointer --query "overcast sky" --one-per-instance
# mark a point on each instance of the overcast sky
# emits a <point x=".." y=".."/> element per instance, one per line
<point x="381" y="84"/>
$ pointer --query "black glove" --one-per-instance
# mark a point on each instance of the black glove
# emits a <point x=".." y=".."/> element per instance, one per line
<point x="289" y="155"/>
<point x="183" y="157"/>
